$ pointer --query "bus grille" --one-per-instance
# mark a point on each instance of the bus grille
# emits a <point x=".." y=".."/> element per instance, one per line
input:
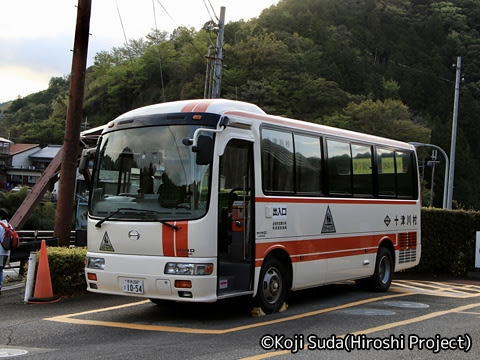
<point x="407" y="247"/>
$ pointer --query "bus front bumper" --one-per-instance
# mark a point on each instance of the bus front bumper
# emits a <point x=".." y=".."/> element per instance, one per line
<point x="144" y="276"/>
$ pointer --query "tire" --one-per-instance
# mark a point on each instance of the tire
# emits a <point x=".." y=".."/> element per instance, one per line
<point x="382" y="277"/>
<point x="272" y="286"/>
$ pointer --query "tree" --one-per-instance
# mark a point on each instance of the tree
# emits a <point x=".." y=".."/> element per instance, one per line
<point x="389" y="118"/>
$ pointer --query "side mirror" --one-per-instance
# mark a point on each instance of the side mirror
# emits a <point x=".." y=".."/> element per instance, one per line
<point x="84" y="159"/>
<point x="204" y="150"/>
<point x="83" y="166"/>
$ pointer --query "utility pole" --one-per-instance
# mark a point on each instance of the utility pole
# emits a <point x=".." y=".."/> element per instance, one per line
<point x="207" y="93"/>
<point x="213" y="77"/>
<point x="454" y="134"/>
<point x="432" y="163"/>
<point x="217" y="80"/>
<point x="445" y="182"/>
<point x="68" y="172"/>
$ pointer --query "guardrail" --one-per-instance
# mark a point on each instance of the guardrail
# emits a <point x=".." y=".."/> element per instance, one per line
<point x="30" y="240"/>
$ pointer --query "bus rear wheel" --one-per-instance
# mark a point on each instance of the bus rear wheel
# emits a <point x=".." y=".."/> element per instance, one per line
<point x="272" y="286"/>
<point x="382" y="277"/>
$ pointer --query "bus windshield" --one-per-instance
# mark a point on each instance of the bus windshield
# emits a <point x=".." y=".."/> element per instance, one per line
<point x="148" y="169"/>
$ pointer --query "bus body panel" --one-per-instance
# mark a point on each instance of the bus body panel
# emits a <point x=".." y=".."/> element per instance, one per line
<point x="154" y="238"/>
<point x="332" y="240"/>
<point x="326" y="238"/>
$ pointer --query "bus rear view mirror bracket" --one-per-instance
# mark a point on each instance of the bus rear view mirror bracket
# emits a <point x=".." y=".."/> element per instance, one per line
<point x="203" y="144"/>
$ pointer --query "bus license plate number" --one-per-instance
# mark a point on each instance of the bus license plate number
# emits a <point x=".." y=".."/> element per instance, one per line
<point x="133" y="286"/>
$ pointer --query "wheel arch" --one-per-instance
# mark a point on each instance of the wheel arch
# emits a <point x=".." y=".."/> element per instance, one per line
<point x="387" y="243"/>
<point x="282" y="255"/>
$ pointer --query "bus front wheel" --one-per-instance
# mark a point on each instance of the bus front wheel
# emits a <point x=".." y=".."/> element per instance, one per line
<point x="272" y="286"/>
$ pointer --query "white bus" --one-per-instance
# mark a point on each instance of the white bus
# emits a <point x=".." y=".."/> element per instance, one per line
<point x="202" y="200"/>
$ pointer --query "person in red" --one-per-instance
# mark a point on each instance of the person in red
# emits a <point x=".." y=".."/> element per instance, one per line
<point x="4" y="254"/>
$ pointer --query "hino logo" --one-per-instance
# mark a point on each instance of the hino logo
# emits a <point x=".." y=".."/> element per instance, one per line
<point x="133" y="235"/>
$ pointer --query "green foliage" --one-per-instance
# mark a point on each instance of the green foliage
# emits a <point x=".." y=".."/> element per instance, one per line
<point x="34" y="118"/>
<point x="67" y="270"/>
<point x="379" y="67"/>
<point x="43" y="218"/>
<point x="448" y="241"/>
<point x="389" y="118"/>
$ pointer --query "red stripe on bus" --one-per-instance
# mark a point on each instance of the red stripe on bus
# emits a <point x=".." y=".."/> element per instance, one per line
<point x="312" y="257"/>
<point x="323" y="256"/>
<point x="197" y="106"/>
<point x="189" y="107"/>
<point x="202" y="106"/>
<point x="334" y="201"/>
<point x="181" y="243"/>
<point x="167" y="241"/>
<point x="175" y="243"/>
<point x="327" y="247"/>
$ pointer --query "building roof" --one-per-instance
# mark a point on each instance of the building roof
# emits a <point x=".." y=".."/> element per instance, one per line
<point x="3" y="140"/>
<point x="47" y="153"/>
<point x="19" y="148"/>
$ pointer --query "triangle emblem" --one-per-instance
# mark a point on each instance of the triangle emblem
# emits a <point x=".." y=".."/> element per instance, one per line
<point x="106" y="245"/>
<point x="328" y="224"/>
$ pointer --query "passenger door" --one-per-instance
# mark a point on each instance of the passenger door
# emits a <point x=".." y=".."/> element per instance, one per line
<point x="235" y="229"/>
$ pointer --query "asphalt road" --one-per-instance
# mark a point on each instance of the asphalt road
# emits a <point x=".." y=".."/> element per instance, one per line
<point x="416" y="319"/>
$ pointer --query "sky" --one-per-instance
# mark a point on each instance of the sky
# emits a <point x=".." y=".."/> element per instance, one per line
<point x="36" y="37"/>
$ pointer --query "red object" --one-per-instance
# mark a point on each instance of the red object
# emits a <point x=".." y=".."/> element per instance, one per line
<point x="43" y="283"/>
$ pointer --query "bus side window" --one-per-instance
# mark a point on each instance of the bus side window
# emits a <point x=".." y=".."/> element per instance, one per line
<point x="386" y="172"/>
<point x="362" y="170"/>
<point x="405" y="174"/>
<point x="308" y="163"/>
<point x="277" y="161"/>
<point x="339" y="168"/>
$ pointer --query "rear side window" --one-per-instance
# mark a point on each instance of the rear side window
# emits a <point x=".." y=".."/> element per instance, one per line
<point x="396" y="173"/>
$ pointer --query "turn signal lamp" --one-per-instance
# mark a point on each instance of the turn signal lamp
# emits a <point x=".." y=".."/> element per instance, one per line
<point x="183" y="284"/>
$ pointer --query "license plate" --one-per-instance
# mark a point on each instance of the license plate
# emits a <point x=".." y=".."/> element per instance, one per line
<point x="134" y="286"/>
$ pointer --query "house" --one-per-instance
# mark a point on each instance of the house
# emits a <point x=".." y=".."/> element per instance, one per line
<point x="41" y="159"/>
<point x="23" y="164"/>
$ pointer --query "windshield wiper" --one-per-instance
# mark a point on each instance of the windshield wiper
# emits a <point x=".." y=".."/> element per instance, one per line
<point x="163" y="222"/>
<point x="99" y="224"/>
<point x="152" y="212"/>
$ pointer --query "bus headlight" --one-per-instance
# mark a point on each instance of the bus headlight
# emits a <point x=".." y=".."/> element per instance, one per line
<point x="172" y="268"/>
<point x="95" y="263"/>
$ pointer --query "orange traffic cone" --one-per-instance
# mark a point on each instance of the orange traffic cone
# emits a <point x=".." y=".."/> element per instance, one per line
<point x="43" y="283"/>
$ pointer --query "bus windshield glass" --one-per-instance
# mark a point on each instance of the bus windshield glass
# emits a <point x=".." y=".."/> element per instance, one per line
<point x="150" y="170"/>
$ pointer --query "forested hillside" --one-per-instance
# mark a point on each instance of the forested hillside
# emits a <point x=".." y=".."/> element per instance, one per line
<point x="382" y="67"/>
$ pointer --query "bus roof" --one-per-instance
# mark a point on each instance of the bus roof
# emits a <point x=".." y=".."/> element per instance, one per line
<point x="319" y="128"/>
<point x="215" y="106"/>
<point x="253" y="112"/>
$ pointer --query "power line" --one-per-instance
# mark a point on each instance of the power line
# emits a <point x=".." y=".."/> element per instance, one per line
<point x="159" y="58"/>
<point x="211" y="18"/>
<point x="208" y="11"/>
<point x="129" y="52"/>
<point x="181" y="30"/>
<point x="409" y="67"/>
<point x="121" y="23"/>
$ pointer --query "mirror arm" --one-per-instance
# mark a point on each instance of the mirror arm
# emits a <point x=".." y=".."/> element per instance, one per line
<point x="222" y="124"/>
